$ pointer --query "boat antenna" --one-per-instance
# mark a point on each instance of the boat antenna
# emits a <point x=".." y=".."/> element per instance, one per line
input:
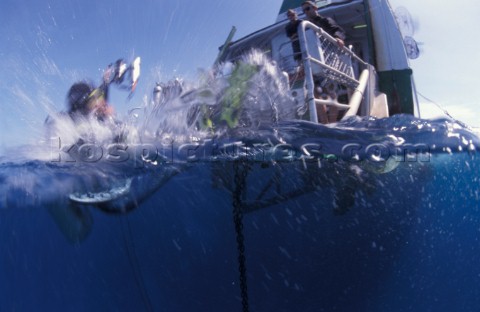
<point x="224" y="47"/>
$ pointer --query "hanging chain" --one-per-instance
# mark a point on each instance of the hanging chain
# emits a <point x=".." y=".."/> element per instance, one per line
<point x="241" y="170"/>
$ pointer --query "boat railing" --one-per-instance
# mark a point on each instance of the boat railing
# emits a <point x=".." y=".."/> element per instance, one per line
<point x="326" y="59"/>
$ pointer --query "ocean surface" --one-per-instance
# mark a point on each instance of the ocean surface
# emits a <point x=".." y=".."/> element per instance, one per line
<point x="363" y="215"/>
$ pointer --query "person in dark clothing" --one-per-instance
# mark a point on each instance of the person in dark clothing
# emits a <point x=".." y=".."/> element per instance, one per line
<point x="328" y="24"/>
<point x="83" y="99"/>
<point x="291" y="31"/>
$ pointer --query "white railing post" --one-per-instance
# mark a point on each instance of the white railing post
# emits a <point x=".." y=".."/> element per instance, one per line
<point x="307" y="67"/>
<point x="357" y="95"/>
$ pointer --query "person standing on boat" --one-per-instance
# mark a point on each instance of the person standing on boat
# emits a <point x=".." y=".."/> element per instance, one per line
<point x="326" y="23"/>
<point x="331" y="27"/>
<point x="291" y="31"/>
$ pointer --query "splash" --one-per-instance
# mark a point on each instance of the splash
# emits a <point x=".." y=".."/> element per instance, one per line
<point x="248" y="100"/>
<point x="249" y="94"/>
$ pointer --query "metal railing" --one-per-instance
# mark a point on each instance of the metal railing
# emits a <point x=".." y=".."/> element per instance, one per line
<point x="325" y="59"/>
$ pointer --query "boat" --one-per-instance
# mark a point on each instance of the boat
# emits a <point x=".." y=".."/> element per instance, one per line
<point x="371" y="74"/>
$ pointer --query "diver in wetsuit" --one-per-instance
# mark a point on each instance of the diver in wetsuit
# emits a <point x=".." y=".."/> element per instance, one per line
<point x="84" y="100"/>
<point x="87" y="103"/>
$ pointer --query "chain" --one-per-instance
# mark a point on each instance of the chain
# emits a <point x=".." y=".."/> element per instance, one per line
<point x="240" y="181"/>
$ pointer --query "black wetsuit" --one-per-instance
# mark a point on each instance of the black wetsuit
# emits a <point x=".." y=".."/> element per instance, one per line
<point x="330" y="26"/>
<point x="291" y="31"/>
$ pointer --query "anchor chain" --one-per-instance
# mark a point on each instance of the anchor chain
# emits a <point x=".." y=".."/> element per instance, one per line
<point x="240" y="181"/>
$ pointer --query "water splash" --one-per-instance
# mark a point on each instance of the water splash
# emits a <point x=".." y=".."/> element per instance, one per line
<point x="246" y="101"/>
<point x="179" y="109"/>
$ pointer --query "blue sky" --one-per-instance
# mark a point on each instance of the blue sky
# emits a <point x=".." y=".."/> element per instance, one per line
<point x="447" y="70"/>
<point x="45" y="46"/>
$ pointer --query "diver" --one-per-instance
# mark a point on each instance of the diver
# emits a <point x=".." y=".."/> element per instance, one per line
<point x="83" y="99"/>
<point x="88" y="104"/>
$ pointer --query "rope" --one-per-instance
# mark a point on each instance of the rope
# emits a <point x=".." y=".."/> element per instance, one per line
<point x="437" y="105"/>
<point x="445" y="112"/>
<point x="240" y="181"/>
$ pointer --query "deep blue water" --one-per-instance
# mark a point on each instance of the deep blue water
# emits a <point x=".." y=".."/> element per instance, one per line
<point x="326" y="228"/>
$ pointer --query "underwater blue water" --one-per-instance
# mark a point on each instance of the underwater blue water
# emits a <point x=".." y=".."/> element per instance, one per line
<point x="328" y="223"/>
